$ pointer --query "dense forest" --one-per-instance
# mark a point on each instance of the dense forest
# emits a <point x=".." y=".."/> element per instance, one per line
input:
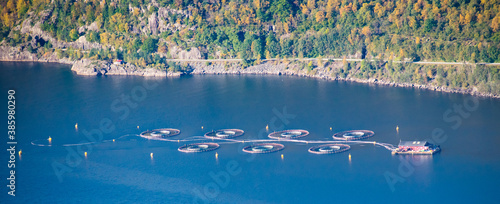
<point x="449" y="30"/>
<point x="147" y="32"/>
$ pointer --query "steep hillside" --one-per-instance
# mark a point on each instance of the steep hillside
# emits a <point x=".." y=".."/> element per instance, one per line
<point x="148" y="33"/>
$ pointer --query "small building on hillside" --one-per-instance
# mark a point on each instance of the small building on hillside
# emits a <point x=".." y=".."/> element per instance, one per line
<point x="117" y="62"/>
<point x="414" y="145"/>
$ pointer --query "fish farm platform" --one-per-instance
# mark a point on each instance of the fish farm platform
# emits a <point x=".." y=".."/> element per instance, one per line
<point x="430" y="152"/>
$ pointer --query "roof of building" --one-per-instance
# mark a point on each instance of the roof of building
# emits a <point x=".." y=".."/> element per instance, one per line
<point x="413" y="143"/>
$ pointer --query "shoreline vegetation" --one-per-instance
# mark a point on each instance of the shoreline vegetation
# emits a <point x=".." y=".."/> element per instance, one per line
<point x="344" y="70"/>
<point x="448" y="45"/>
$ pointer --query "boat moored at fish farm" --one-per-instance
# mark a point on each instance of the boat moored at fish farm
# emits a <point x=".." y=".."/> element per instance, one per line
<point x="416" y="147"/>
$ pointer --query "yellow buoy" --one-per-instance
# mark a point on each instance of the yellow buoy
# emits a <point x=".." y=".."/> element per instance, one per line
<point x="151" y="155"/>
<point x="85" y="154"/>
<point x="202" y="127"/>
<point x="397" y="128"/>
<point x="20" y="152"/>
<point x="50" y="139"/>
<point x="178" y="141"/>
<point x="282" y="156"/>
<point x="267" y="127"/>
<point x="76" y="126"/>
<point x="330" y="128"/>
<point x="216" y="155"/>
<point x="113" y="140"/>
<point x="137" y="127"/>
<point x="349" y="156"/>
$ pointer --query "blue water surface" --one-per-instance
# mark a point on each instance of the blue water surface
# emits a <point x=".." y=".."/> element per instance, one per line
<point x="51" y="99"/>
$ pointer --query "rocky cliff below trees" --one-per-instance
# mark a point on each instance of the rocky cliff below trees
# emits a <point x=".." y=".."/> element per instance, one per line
<point x="8" y="53"/>
<point x="96" y="68"/>
<point x="328" y="72"/>
<point x="84" y="66"/>
<point x="295" y="68"/>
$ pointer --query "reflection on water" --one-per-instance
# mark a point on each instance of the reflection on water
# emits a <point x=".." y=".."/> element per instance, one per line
<point x="51" y="100"/>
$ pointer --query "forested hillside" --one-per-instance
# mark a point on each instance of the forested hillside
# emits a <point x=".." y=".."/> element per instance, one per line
<point x="448" y="30"/>
<point x="147" y="33"/>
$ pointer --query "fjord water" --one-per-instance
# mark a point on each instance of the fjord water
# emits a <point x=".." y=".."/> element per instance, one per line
<point x="50" y="100"/>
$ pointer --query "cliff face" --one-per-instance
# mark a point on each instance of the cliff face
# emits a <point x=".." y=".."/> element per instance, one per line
<point x="84" y="66"/>
<point x="38" y="34"/>
<point x="8" y="53"/>
<point x="96" y="68"/>
<point x="178" y="53"/>
<point x="38" y="39"/>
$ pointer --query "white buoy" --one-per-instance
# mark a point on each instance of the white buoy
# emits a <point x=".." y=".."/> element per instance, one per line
<point x="216" y="155"/>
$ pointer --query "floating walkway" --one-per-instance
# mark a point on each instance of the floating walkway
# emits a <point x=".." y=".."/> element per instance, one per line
<point x="224" y="134"/>
<point x="198" y="147"/>
<point x="353" y="135"/>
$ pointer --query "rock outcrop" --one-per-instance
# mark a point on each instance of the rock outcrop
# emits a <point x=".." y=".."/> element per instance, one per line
<point x="153" y="24"/>
<point x="37" y="33"/>
<point x="8" y="53"/>
<point x="96" y="68"/>
<point x="178" y="53"/>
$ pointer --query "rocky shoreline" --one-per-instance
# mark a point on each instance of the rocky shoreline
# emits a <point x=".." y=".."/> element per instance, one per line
<point x="320" y="73"/>
<point x="85" y="66"/>
<point x="97" y="67"/>
<point x="17" y="54"/>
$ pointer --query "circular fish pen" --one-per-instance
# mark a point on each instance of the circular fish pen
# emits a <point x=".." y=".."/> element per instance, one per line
<point x="224" y="134"/>
<point x="198" y="147"/>
<point x="288" y="134"/>
<point x="329" y="149"/>
<point x="353" y="135"/>
<point x="263" y="148"/>
<point x="160" y="133"/>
